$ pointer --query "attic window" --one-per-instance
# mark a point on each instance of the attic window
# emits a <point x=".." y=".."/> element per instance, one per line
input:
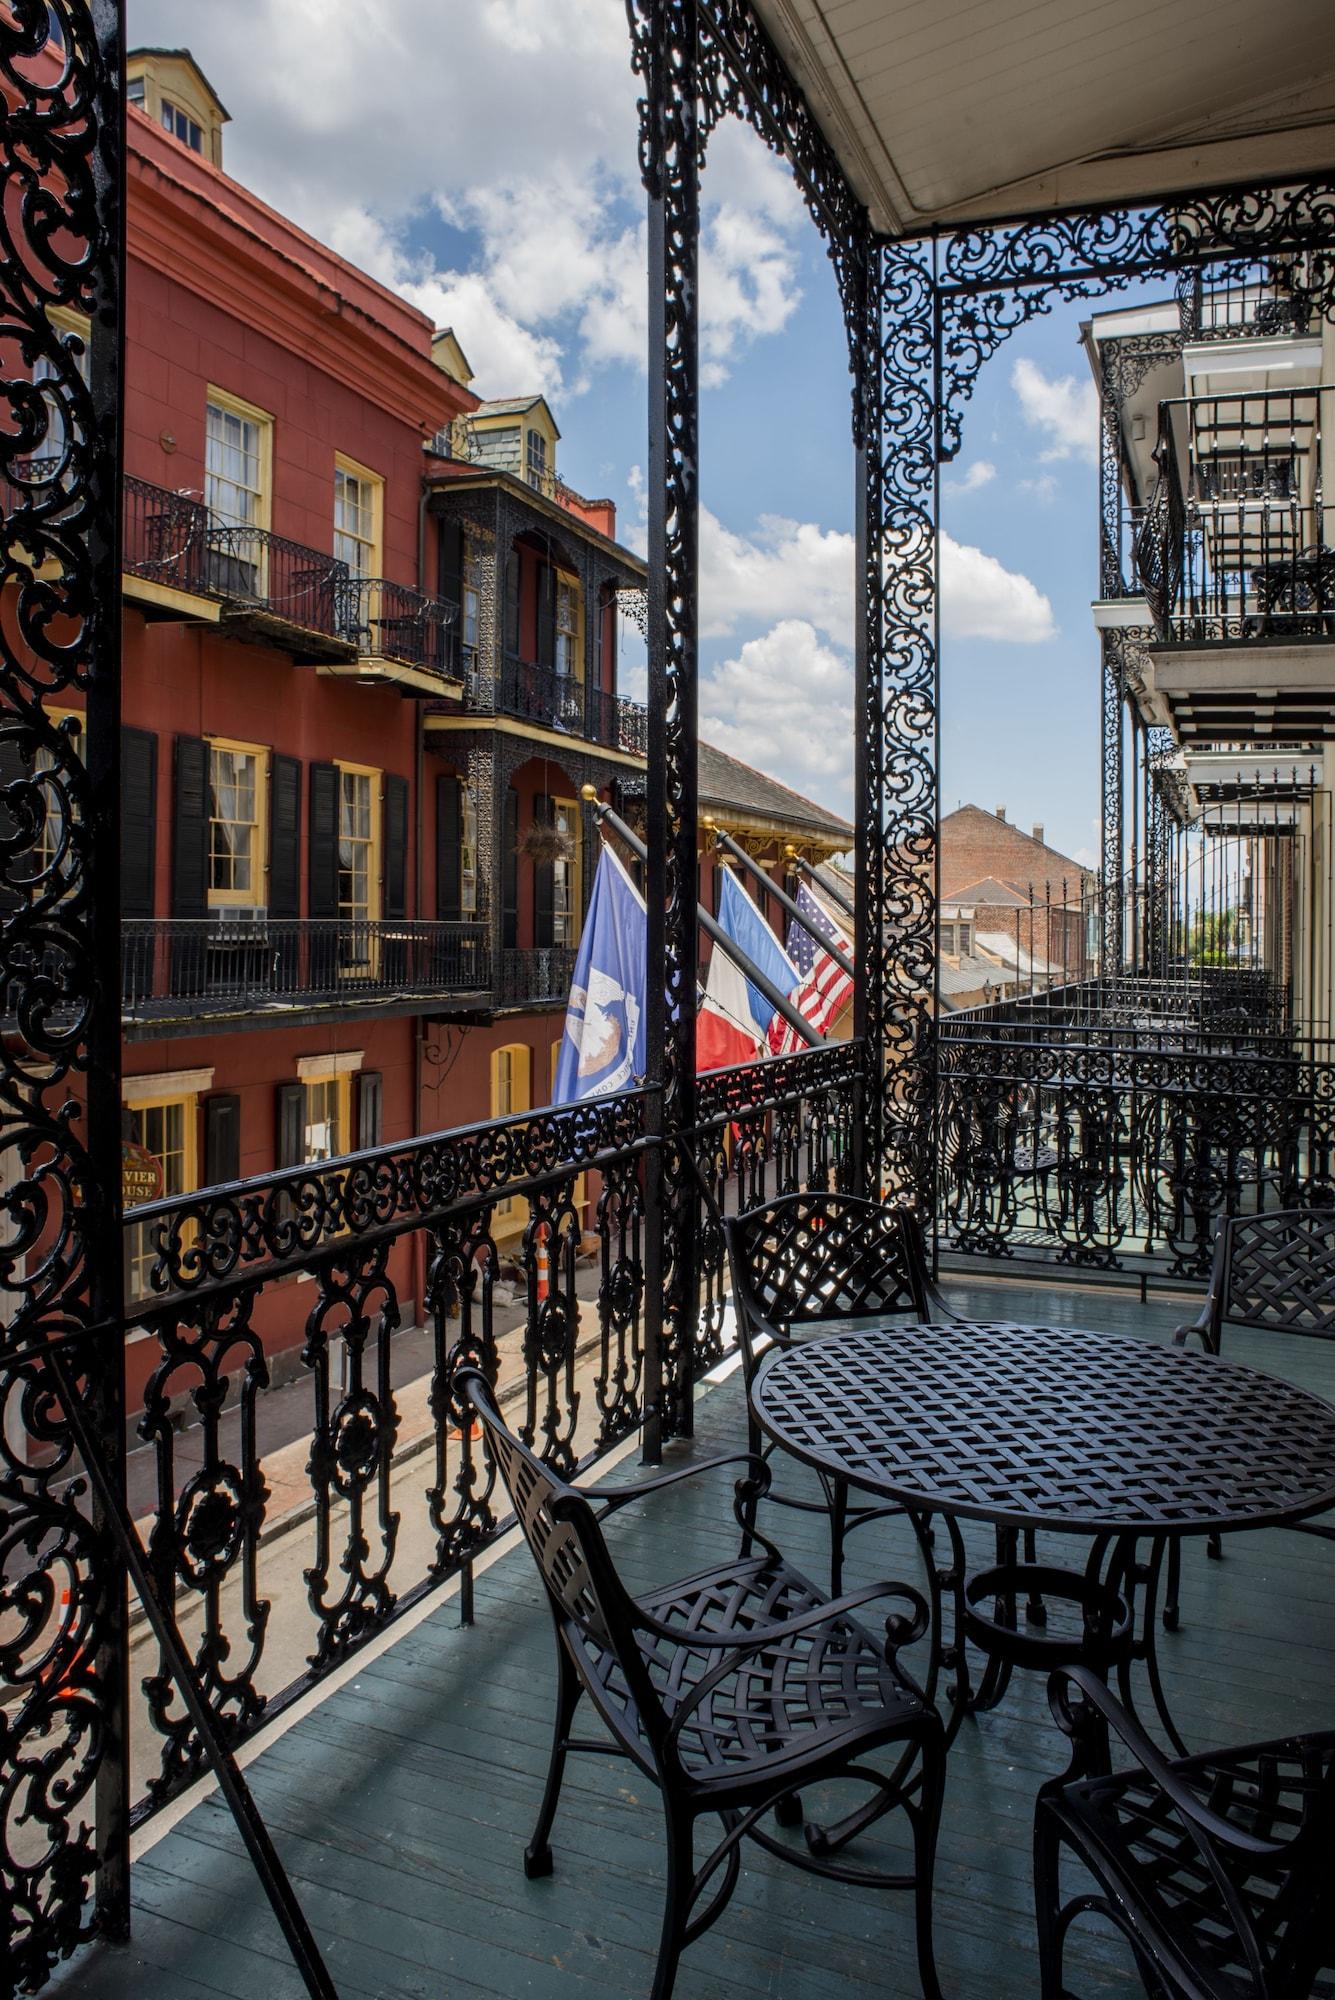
<point x="535" y="461"/>
<point x="134" y="91"/>
<point x="182" y="126"/>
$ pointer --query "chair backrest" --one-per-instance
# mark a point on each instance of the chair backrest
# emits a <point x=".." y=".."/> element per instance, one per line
<point x="809" y="1258"/>
<point x="566" y="1542"/>
<point x="1278" y="1271"/>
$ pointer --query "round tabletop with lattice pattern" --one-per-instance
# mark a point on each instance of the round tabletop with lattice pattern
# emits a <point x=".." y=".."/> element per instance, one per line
<point x="1045" y="1426"/>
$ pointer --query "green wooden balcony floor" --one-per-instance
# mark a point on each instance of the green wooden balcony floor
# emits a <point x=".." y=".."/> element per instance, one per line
<point x="402" y="1803"/>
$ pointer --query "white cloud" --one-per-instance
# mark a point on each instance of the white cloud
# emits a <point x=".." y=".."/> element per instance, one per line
<point x="786" y="569"/>
<point x="785" y="705"/>
<point x="797" y="569"/>
<point x="1065" y="409"/>
<point x="527" y="142"/>
<point x="981" y="473"/>
<point x="982" y="599"/>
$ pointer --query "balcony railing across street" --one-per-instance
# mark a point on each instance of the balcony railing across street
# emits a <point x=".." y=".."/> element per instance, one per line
<point x="231" y="964"/>
<point x="170" y="540"/>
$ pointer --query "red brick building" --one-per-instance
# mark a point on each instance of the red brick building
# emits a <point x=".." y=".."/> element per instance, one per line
<point x="999" y="883"/>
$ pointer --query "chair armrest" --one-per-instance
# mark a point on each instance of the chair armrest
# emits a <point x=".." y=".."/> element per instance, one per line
<point x="1205" y="1822"/>
<point x="1201" y="1326"/>
<point x="610" y="1498"/>
<point x="741" y="1642"/>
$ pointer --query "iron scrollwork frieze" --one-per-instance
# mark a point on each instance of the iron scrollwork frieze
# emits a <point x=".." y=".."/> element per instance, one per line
<point x="62" y="1616"/>
<point x="994" y="280"/>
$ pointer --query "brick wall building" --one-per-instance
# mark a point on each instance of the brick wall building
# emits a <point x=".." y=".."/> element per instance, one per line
<point x="1012" y="886"/>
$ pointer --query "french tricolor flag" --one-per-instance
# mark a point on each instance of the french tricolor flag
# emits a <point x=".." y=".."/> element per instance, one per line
<point x="734" y="1020"/>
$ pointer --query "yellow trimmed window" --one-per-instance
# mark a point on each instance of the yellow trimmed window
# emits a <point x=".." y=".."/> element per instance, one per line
<point x="567" y="874"/>
<point x="167" y="1127"/>
<point x="238" y="456"/>
<point x="238" y="791"/>
<point x="46" y="460"/>
<point x="328" y="1117"/>
<point x="511" y="1092"/>
<point x="358" y="516"/>
<point x="569" y="628"/>
<point x="470" y="608"/>
<point x="358" y="844"/>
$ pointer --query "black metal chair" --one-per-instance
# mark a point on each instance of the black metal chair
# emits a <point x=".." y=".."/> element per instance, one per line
<point x="1216" y="1868"/>
<point x="729" y="1690"/>
<point x="1275" y="1272"/>
<point x="807" y="1260"/>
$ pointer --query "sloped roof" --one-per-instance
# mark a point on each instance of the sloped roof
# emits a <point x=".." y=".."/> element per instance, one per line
<point x="969" y="974"/>
<point x="515" y="406"/>
<point x="1009" y="953"/>
<point x="988" y="891"/>
<point x="725" y="781"/>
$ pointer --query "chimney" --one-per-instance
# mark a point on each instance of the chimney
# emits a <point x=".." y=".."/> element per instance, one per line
<point x="1038" y="831"/>
<point x="1001" y="812"/>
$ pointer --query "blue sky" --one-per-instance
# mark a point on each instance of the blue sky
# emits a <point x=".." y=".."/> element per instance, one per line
<point x="479" y="155"/>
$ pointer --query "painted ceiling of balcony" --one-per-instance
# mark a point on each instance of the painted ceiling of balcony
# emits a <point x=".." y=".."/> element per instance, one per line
<point x="952" y="111"/>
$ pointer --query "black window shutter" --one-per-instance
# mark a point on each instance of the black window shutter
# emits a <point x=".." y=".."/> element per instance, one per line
<point x="451" y="570"/>
<point x="512" y="602"/>
<point x="395" y="899"/>
<point x="510" y="873"/>
<point x="449" y="890"/>
<point x="19" y="867"/>
<point x="222" y="1139"/>
<point x="546" y="616"/>
<point x="369" y="1096"/>
<point x="190" y="828"/>
<point x="291" y="1134"/>
<point x="323" y="890"/>
<point x="544" y="879"/>
<point x="285" y="837"/>
<point x="139" y="821"/>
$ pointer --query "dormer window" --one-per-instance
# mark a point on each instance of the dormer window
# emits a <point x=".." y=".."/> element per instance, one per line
<point x="182" y="126"/>
<point x="134" y="91"/>
<point x="535" y="461"/>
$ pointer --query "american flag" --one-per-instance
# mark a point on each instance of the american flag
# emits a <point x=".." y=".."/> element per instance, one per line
<point x="824" y="987"/>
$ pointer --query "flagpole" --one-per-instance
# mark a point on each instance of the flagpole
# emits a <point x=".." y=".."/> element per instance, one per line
<point x="818" y="881"/>
<point x="728" y="845"/>
<point x="712" y="929"/>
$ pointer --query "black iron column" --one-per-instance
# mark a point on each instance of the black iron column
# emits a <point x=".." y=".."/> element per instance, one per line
<point x="63" y="1633"/>
<point x="1112" y="858"/>
<point x="897" y="805"/>
<point x="665" y="35"/>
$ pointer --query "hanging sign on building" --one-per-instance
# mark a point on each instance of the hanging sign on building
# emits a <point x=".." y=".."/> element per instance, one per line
<point x="141" y="1174"/>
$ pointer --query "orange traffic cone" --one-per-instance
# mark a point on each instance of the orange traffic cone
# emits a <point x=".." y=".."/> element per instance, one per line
<point x="542" y="1269"/>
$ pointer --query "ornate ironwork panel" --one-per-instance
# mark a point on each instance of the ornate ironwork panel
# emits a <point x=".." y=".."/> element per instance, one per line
<point x="665" y="39"/>
<point x="898" y="810"/>
<point x="62" y="1590"/>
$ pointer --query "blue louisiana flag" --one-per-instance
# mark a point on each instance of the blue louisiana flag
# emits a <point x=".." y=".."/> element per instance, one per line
<point x="602" y="1049"/>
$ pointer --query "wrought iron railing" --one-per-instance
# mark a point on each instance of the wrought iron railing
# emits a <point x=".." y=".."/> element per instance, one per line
<point x="389" y="621"/>
<point x="539" y="976"/>
<point x="254" y="570"/>
<point x="1115" y="1135"/>
<point x="541" y="695"/>
<point x="1235" y="543"/>
<point x="624" y="725"/>
<point x="165" y="537"/>
<point x="226" y="965"/>
<point x="517" y="1244"/>
<point x="1244" y="302"/>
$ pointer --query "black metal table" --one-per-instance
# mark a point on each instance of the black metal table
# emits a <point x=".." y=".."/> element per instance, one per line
<point x="1101" y="1436"/>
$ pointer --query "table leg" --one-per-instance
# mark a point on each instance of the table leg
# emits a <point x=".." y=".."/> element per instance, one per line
<point x="1140" y="1581"/>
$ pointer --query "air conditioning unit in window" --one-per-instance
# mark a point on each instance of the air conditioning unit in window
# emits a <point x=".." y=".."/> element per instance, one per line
<point x="241" y="922"/>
